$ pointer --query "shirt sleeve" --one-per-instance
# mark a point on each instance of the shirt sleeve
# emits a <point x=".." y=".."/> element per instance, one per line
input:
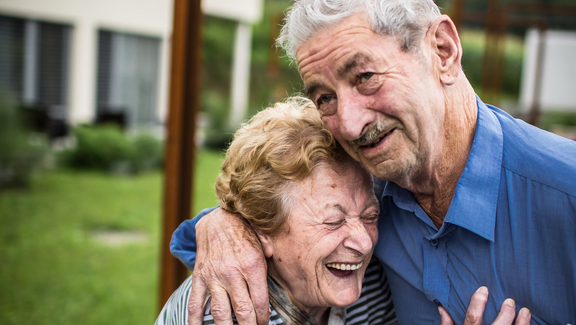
<point x="183" y="243"/>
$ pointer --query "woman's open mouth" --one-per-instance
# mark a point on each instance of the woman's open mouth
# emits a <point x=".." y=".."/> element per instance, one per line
<point x="343" y="269"/>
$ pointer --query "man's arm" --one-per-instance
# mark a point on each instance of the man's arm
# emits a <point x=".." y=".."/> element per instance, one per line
<point x="229" y="266"/>
<point x="183" y="243"/>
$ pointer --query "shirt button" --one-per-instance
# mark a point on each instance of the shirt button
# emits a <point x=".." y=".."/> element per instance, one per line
<point x="434" y="242"/>
<point x="437" y="302"/>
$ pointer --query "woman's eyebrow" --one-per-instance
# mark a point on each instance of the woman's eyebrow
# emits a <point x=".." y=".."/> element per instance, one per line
<point x="336" y="206"/>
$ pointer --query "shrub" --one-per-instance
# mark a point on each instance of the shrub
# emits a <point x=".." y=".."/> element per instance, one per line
<point x="20" y="150"/>
<point x="107" y="148"/>
<point x="148" y="152"/>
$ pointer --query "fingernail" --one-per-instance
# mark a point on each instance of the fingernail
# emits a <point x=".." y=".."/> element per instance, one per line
<point x="510" y="302"/>
<point x="525" y="312"/>
<point x="483" y="290"/>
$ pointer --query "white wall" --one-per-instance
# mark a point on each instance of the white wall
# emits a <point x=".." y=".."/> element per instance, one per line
<point x="559" y="70"/>
<point x="144" y="17"/>
<point x="246" y="11"/>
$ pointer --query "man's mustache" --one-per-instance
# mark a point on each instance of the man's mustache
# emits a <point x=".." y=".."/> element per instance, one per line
<point x="373" y="132"/>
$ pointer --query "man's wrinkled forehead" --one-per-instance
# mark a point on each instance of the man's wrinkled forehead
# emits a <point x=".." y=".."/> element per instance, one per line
<point x="356" y="60"/>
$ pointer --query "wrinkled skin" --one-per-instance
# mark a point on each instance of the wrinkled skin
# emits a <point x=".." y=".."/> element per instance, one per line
<point x="333" y="221"/>
<point x="408" y="117"/>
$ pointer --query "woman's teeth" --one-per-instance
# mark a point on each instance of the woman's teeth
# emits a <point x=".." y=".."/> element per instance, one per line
<point x="345" y="267"/>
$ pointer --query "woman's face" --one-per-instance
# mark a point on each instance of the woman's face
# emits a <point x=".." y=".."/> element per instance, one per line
<point x="324" y="247"/>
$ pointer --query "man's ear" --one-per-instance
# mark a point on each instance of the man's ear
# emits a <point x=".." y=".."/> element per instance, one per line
<point x="267" y="246"/>
<point x="446" y="44"/>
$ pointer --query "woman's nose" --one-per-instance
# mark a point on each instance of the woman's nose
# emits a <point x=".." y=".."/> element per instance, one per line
<point x="360" y="238"/>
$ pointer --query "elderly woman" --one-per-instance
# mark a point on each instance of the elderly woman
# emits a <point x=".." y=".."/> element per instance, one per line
<point x="315" y="213"/>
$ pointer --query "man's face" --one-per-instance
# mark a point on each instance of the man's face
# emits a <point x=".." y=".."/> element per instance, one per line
<point x="382" y="104"/>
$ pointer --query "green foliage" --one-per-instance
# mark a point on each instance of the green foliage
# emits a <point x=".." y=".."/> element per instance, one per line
<point x="549" y="119"/>
<point x="55" y="272"/>
<point x="473" y="44"/>
<point x="107" y="148"/>
<point x="272" y="77"/>
<point x="20" y="150"/>
<point x="148" y="152"/>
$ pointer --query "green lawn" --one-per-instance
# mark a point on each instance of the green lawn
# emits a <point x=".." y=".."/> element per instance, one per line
<point x="52" y="270"/>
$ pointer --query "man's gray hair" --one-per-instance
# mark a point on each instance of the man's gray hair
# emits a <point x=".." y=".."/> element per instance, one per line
<point x="407" y="20"/>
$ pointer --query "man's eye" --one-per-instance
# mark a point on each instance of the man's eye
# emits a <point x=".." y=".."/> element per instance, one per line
<point x="324" y="99"/>
<point x="366" y="76"/>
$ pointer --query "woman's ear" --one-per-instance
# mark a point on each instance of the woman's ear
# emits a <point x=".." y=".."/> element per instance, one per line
<point x="267" y="246"/>
<point x="446" y="44"/>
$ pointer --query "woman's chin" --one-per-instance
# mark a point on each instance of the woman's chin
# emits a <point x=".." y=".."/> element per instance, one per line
<point x="346" y="298"/>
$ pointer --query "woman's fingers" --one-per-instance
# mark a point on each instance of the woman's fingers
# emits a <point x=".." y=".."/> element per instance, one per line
<point x="475" y="311"/>
<point x="445" y="318"/>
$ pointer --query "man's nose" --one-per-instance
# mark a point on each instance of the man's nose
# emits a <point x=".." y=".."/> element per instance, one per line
<point x="359" y="238"/>
<point x="353" y="115"/>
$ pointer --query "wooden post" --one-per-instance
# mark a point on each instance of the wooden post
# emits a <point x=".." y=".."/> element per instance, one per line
<point x="180" y="141"/>
<point x="456" y="13"/>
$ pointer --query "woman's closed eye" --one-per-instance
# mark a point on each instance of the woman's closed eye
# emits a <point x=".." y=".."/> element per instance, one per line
<point x="334" y="223"/>
<point x="370" y="218"/>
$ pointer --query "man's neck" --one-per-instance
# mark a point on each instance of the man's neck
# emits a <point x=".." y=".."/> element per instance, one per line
<point x="435" y="193"/>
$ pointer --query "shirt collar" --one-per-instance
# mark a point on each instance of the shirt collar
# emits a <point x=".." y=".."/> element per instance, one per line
<point x="473" y="206"/>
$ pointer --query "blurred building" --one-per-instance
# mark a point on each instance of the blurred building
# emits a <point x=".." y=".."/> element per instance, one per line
<point x="553" y="53"/>
<point x="89" y="60"/>
<point x="84" y="61"/>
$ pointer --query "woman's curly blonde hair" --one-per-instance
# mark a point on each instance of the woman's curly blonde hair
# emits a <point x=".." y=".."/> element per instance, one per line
<point x="279" y="146"/>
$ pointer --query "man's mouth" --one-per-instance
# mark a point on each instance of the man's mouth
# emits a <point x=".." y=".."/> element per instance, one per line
<point x="376" y="141"/>
<point x="373" y="136"/>
<point x="343" y="269"/>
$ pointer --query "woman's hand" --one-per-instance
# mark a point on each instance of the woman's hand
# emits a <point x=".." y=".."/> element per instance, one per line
<point x="231" y="269"/>
<point x="476" y="311"/>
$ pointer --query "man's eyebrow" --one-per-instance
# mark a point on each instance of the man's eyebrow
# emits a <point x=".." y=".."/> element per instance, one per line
<point x="353" y="62"/>
<point x="310" y="88"/>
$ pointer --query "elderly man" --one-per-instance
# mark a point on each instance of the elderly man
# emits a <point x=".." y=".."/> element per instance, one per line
<point x="470" y="196"/>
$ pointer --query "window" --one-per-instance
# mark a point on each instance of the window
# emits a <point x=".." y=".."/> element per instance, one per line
<point x="127" y="83"/>
<point x="34" y="58"/>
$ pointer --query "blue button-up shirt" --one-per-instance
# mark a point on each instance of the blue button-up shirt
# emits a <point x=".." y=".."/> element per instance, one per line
<point x="511" y="226"/>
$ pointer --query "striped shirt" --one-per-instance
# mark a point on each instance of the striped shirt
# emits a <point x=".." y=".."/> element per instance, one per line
<point x="374" y="307"/>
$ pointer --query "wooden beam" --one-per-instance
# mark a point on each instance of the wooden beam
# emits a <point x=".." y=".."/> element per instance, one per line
<point x="180" y="151"/>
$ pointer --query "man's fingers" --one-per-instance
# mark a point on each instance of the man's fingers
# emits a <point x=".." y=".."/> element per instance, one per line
<point x="445" y="318"/>
<point x="240" y="298"/>
<point x="524" y="317"/>
<point x="476" y="308"/>
<point x="220" y="307"/>
<point x="197" y="301"/>
<point x="258" y="287"/>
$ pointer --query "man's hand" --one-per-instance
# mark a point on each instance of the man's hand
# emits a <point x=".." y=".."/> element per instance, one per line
<point x="476" y="311"/>
<point x="230" y="268"/>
